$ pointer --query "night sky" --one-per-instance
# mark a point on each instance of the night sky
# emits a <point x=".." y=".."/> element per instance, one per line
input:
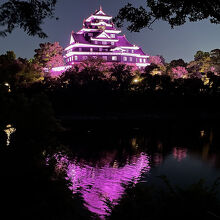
<point x="181" y="42"/>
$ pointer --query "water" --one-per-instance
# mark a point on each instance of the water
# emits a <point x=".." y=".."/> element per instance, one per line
<point x="102" y="165"/>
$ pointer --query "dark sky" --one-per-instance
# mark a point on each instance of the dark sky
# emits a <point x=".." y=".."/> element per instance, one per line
<point x="181" y="42"/>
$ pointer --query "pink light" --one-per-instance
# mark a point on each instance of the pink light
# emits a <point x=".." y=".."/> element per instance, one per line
<point x="60" y="68"/>
<point x="101" y="17"/>
<point x="101" y="23"/>
<point x="105" y="53"/>
<point x="179" y="153"/>
<point x="86" y="45"/>
<point x="110" y="40"/>
<point x="57" y="71"/>
<point x="105" y="179"/>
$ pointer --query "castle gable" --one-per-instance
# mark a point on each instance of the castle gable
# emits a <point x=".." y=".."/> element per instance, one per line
<point x="103" y="35"/>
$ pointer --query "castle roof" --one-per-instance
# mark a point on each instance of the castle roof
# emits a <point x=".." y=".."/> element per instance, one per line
<point x="100" y="12"/>
<point x="123" y="42"/>
<point x="79" y="38"/>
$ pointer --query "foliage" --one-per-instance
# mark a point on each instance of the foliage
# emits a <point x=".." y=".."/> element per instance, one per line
<point x="172" y="11"/>
<point x="157" y="60"/>
<point x="121" y="76"/>
<point x="28" y="15"/>
<point x="215" y="56"/>
<point x="49" y="55"/>
<point x="200" y="55"/>
<point x="17" y="72"/>
<point x="179" y="62"/>
<point x="33" y="104"/>
<point x="179" y="72"/>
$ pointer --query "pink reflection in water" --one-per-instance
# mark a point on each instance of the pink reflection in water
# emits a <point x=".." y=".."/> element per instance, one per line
<point x="179" y="153"/>
<point x="97" y="184"/>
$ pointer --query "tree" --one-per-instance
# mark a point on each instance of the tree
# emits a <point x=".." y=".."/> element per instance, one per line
<point x="8" y="68"/>
<point x="215" y="56"/>
<point x="157" y="60"/>
<point x="179" y="72"/>
<point x="175" y="12"/>
<point x="149" y="69"/>
<point x="27" y="14"/>
<point x="160" y="67"/>
<point x="201" y="55"/>
<point x="179" y="62"/>
<point x="121" y="76"/>
<point x="49" y="55"/>
<point x="17" y="72"/>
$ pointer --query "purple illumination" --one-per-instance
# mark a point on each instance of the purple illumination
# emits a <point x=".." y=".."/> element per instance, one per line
<point x="98" y="31"/>
<point x="56" y="71"/>
<point x="100" y="39"/>
<point x="179" y="72"/>
<point x="103" y="180"/>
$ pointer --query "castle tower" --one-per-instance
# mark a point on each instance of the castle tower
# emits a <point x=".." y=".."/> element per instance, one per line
<point x="100" y="39"/>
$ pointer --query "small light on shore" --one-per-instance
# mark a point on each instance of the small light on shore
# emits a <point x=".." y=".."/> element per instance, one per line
<point x="137" y="79"/>
<point x="9" y="89"/>
<point x="202" y="133"/>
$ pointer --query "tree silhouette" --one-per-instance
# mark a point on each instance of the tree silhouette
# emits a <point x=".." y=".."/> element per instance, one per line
<point x="175" y="12"/>
<point x="28" y="15"/>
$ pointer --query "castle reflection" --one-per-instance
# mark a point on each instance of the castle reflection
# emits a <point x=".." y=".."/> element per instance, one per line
<point x="105" y="181"/>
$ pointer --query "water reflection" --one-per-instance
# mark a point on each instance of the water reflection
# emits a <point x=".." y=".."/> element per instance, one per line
<point x="101" y="174"/>
<point x="98" y="184"/>
<point x="179" y="153"/>
<point x="157" y="159"/>
<point x="9" y="130"/>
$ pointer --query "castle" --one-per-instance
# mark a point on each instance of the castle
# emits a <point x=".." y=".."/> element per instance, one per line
<point x="100" y="39"/>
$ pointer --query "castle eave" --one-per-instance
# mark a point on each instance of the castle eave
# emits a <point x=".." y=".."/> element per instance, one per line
<point x="105" y="53"/>
<point x="104" y="39"/>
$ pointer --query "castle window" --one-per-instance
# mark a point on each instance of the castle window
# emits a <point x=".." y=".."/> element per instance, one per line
<point x="85" y="57"/>
<point x="104" y="42"/>
<point x="90" y="34"/>
<point x="132" y="51"/>
<point x="112" y="43"/>
<point x="112" y="35"/>
<point x="114" y="58"/>
<point x="100" y="49"/>
<point x="91" y="49"/>
<point x="76" y="57"/>
<point x="96" y="42"/>
<point x="125" y="58"/>
<point x="104" y="57"/>
<point x="130" y="59"/>
<point x="140" y="60"/>
<point x="80" y="49"/>
<point x="144" y="60"/>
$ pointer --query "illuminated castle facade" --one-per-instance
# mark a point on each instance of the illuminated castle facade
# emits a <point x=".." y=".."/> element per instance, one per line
<point x="100" y="39"/>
